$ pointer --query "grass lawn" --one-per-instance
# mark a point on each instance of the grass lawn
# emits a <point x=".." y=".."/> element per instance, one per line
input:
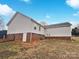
<point x="45" y="49"/>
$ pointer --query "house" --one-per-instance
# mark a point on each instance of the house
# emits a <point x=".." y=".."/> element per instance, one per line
<point x="24" y="26"/>
<point x="29" y="30"/>
<point x="62" y="31"/>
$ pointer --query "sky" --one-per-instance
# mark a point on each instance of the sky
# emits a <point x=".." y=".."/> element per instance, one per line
<point x="49" y="11"/>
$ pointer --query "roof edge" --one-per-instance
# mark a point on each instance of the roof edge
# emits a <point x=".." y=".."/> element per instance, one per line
<point x="12" y="18"/>
<point x="24" y="16"/>
<point x="66" y="24"/>
<point x="31" y="19"/>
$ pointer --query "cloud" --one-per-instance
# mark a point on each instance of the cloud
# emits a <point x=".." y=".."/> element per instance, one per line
<point x="76" y="14"/>
<point x="73" y="3"/>
<point x="26" y="1"/>
<point x="47" y="16"/>
<point x="5" y="10"/>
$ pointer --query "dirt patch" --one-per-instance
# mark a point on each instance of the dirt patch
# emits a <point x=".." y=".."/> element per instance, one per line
<point x="6" y="54"/>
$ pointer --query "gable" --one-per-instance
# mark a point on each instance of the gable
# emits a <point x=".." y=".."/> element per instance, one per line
<point x="25" y="17"/>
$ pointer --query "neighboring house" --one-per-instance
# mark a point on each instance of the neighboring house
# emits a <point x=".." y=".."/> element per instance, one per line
<point x="31" y="29"/>
<point x="3" y="33"/>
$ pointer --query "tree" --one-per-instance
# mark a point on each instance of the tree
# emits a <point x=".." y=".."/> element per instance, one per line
<point x="43" y="23"/>
<point x="2" y="26"/>
<point x="75" y="31"/>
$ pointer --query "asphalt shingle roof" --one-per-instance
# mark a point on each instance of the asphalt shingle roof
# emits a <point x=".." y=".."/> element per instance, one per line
<point x="66" y="24"/>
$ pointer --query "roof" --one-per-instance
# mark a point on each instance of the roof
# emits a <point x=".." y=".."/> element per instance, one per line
<point x="65" y="24"/>
<point x="24" y="16"/>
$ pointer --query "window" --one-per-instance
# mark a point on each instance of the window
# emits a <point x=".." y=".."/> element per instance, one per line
<point x="35" y="28"/>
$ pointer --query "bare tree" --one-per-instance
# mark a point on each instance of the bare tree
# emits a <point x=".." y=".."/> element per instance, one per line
<point x="2" y="25"/>
<point x="43" y="23"/>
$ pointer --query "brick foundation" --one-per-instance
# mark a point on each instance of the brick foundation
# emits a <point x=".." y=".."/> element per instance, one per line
<point x="33" y="37"/>
<point x="18" y="37"/>
<point x="59" y="38"/>
<point x="9" y="37"/>
<point x="12" y="37"/>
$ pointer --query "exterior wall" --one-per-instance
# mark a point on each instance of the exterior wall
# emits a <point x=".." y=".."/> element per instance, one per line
<point x="22" y="24"/>
<point x="38" y="31"/>
<point x="7" y="38"/>
<point x="18" y="37"/>
<point x="33" y="37"/>
<point x="59" y="38"/>
<point x="19" y="25"/>
<point x="58" y="32"/>
<point x="12" y="37"/>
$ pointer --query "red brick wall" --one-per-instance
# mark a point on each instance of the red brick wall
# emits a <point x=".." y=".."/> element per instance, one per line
<point x="32" y="37"/>
<point x="18" y="37"/>
<point x="28" y="37"/>
<point x="7" y="38"/>
<point x="61" y="38"/>
<point x="12" y="37"/>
